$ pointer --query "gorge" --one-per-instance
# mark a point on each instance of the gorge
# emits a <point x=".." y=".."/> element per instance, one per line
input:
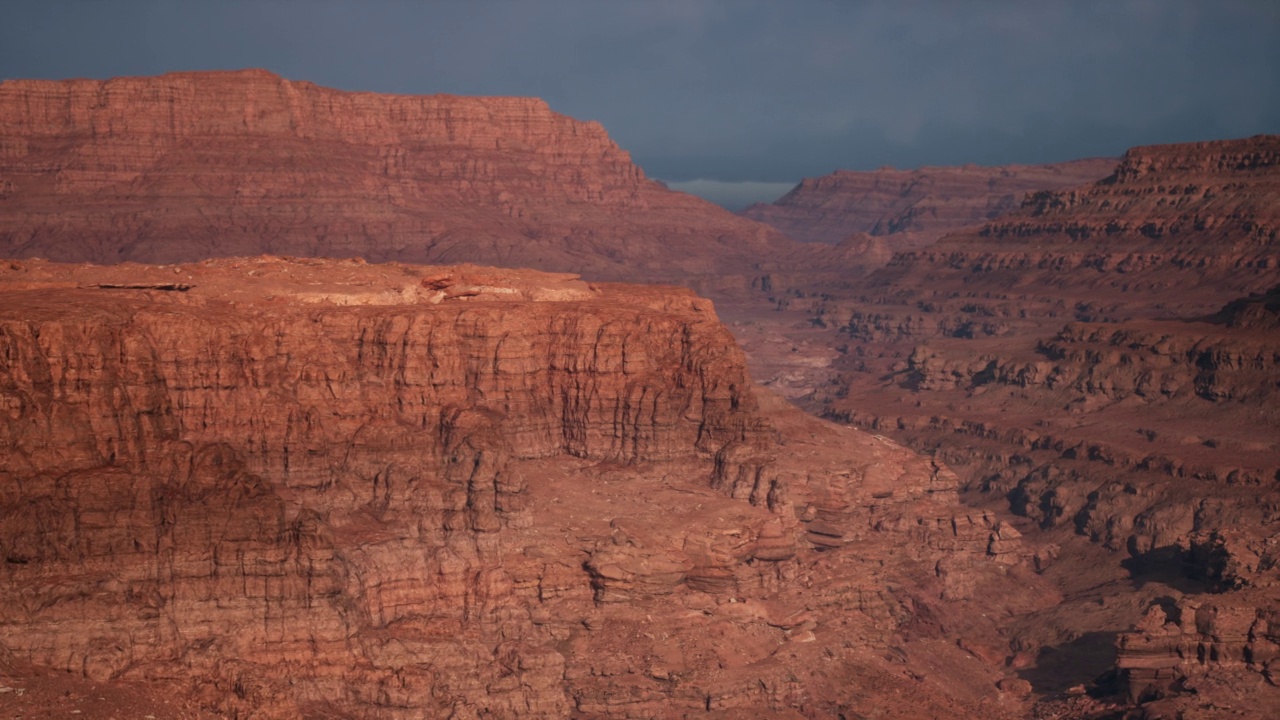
<point x="273" y="447"/>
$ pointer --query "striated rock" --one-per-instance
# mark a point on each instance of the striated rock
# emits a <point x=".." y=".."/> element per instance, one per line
<point x="1169" y="218"/>
<point x="1222" y="645"/>
<point x="922" y="204"/>
<point x="186" y="166"/>
<point x="242" y="475"/>
<point x="1101" y="362"/>
<point x="280" y="488"/>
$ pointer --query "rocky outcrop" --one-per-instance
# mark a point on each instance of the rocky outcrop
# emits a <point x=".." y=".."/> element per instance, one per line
<point x="1175" y="221"/>
<point x="1207" y="645"/>
<point x="1102" y="362"/>
<point x="922" y="204"/>
<point x="1219" y="648"/>
<point x="187" y="166"/>
<point x="279" y="488"/>
<point x="1259" y="311"/>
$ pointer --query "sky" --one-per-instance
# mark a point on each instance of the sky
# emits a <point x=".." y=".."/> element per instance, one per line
<point x="736" y="100"/>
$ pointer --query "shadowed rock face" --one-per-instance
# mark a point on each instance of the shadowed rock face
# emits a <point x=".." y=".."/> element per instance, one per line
<point x="279" y="488"/>
<point x="193" y="165"/>
<point x="1102" y="361"/>
<point x="917" y="205"/>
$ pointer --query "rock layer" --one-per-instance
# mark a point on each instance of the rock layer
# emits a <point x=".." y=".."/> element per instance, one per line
<point x="323" y="488"/>
<point x="1171" y="220"/>
<point x="193" y="165"/>
<point x="1100" y="361"/>
<point x="918" y="205"/>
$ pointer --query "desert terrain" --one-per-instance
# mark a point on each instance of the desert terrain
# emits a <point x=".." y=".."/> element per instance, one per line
<point x="344" y="405"/>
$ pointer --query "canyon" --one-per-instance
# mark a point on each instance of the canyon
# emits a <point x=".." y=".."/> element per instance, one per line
<point x="1103" y="362"/>
<point x="281" y="488"/>
<point x="277" y="453"/>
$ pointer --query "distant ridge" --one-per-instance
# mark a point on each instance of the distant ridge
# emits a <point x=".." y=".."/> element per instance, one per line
<point x="200" y="164"/>
<point x="925" y="203"/>
<point x="1185" y="219"/>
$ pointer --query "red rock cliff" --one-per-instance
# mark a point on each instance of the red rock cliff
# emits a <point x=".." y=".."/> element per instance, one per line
<point x="323" y="488"/>
<point x="1171" y="218"/>
<point x="228" y="481"/>
<point x="192" y="165"/>
<point x="924" y="204"/>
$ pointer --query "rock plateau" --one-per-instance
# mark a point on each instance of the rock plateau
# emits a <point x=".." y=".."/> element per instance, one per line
<point x="188" y="166"/>
<point x="918" y="205"/>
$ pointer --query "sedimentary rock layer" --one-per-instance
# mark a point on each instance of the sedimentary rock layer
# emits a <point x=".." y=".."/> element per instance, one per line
<point x="1194" y="222"/>
<point x="922" y="204"/>
<point x="280" y="488"/>
<point x="1102" y="361"/>
<point x="193" y="165"/>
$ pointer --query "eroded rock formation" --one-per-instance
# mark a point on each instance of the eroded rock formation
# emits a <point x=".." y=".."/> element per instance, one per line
<point x="1103" y="362"/>
<point x="1173" y="224"/>
<point x="275" y="488"/>
<point x="187" y="166"/>
<point x="918" y="205"/>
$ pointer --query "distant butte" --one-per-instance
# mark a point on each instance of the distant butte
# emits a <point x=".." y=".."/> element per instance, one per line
<point x="186" y="166"/>
<point x="914" y="205"/>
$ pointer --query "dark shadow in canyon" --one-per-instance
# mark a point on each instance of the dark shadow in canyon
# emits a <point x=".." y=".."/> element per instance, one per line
<point x="1077" y="662"/>
<point x="1165" y="565"/>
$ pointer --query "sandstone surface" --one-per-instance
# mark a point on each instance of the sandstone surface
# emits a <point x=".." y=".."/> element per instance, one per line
<point x="187" y="166"/>
<point x="1102" y="361"/>
<point x="270" y="488"/>
<point x="917" y="206"/>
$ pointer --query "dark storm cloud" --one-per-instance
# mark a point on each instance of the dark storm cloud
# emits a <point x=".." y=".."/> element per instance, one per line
<point x="735" y="90"/>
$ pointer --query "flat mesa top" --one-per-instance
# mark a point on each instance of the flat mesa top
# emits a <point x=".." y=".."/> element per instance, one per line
<point x="277" y="281"/>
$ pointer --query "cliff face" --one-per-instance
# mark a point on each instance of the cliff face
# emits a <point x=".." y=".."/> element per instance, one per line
<point x="1226" y="644"/>
<point x="1101" y="361"/>
<point x="917" y="205"/>
<point x="1105" y="326"/>
<point x="192" y="165"/>
<point x="278" y="488"/>
<point x="1169" y="218"/>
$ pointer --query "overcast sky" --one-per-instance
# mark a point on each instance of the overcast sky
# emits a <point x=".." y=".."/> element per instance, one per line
<point x="734" y="91"/>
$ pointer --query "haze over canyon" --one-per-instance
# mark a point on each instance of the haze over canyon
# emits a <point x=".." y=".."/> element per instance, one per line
<point x="339" y="404"/>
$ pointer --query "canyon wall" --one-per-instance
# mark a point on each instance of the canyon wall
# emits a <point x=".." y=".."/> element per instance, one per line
<point x="275" y="488"/>
<point x="1172" y="224"/>
<point x="918" y="205"/>
<point x="193" y="165"/>
<point x="1101" y="361"/>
